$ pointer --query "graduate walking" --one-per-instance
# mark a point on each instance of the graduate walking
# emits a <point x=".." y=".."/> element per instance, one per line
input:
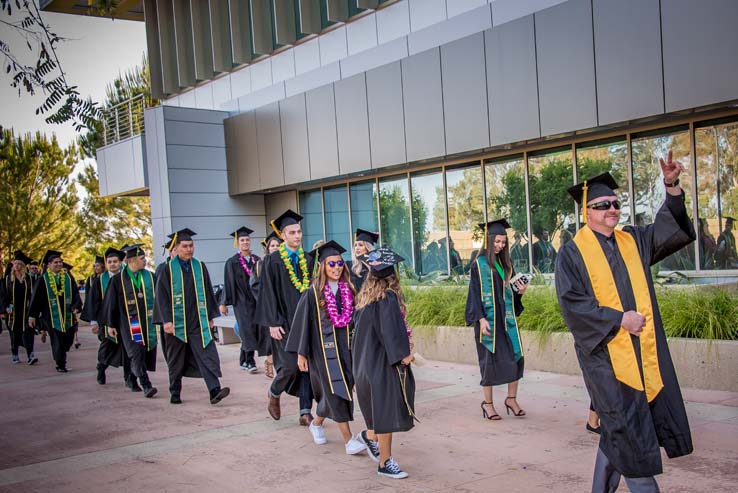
<point x="128" y="313"/>
<point x="285" y="277"/>
<point x="270" y="244"/>
<point x="607" y="298"/>
<point x="15" y="300"/>
<point x="186" y="306"/>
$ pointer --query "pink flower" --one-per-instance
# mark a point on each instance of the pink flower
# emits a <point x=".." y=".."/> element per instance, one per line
<point x="347" y="300"/>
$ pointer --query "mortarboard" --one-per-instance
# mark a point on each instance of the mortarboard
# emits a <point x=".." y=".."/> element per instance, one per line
<point x="381" y="262"/>
<point x="327" y="249"/>
<point x="242" y="231"/>
<point x="134" y="250"/>
<point x="184" y="234"/>
<point x="599" y="186"/>
<point x="112" y="252"/>
<point x="286" y="219"/>
<point x="51" y="255"/>
<point x="269" y="237"/>
<point x="496" y="227"/>
<point x="364" y="235"/>
<point x="99" y="260"/>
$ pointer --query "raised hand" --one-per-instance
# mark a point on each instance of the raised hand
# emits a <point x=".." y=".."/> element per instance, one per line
<point x="670" y="169"/>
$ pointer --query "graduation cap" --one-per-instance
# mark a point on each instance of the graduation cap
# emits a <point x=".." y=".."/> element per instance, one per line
<point x="286" y="219"/>
<point x="600" y="186"/>
<point x="33" y="262"/>
<point x="19" y="255"/>
<point x="99" y="260"/>
<point x="51" y="255"/>
<point x="242" y="231"/>
<point x="364" y="235"/>
<point x="493" y="228"/>
<point x="112" y="252"/>
<point x="732" y="219"/>
<point x="269" y="237"/>
<point x="67" y="267"/>
<point x="134" y="250"/>
<point x="327" y="249"/>
<point x="184" y="234"/>
<point x="382" y="261"/>
<point x="124" y="247"/>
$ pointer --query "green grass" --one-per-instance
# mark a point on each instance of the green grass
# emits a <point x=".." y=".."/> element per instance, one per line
<point x="701" y="312"/>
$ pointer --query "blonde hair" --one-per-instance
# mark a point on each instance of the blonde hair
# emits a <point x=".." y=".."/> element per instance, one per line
<point x="356" y="264"/>
<point x="375" y="289"/>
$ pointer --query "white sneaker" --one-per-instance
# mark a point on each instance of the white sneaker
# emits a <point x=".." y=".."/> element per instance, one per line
<point x="15" y="360"/>
<point x="318" y="433"/>
<point x="354" y="446"/>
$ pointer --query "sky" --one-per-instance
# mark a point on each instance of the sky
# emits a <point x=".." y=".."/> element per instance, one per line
<point x="96" y="52"/>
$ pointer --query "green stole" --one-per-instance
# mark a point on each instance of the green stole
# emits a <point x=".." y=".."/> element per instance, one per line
<point x="178" y="302"/>
<point x="488" y="301"/>
<point x="104" y="281"/>
<point x="60" y="320"/>
<point x="130" y="299"/>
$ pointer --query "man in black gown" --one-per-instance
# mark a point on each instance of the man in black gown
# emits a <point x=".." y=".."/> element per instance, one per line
<point x="286" y="274"/>
<point x="128" y="312"/>
<point x="618" y="333"/>
<point x="238" y="271"/>
<point x="54" y="303"/>
<point x="186" y="306"/>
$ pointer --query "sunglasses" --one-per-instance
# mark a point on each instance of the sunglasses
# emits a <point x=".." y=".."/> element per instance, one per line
<point x="605" y="205"/>
<point x="333" y="263"/>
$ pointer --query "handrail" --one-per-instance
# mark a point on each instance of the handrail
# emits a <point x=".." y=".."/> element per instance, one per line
<point x="124" y="120"/>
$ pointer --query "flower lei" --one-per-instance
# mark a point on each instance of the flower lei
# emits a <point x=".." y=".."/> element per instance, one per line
<point x="347" y="300"/>
<point x="404" y="319"/>
<point x="244" y="265"/>
<point x="54" y="289"/>
<point x="300" y="286"/>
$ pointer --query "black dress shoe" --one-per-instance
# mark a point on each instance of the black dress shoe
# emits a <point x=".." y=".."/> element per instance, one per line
<point x="175" y="399"/>
<point x="61" y="369"/>
<point x="150" y="391"/>
<point x="218" y="394"/>
<point x="592" y="429"/>
<point x="101" y="377"/>
<point x="133" y="385"/>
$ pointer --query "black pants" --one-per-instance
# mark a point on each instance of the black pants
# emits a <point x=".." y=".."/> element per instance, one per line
<point x="20" y="338"/>
<point x="61" y="343"/>
<point x="607" y="479"/>
<point x="178" y="354"/>
<point x="246" y="357"/>
<point x="127" y="374"/>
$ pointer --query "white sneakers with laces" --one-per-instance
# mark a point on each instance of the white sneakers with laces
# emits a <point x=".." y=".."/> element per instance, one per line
<point x="354" y="446"/>
<point x="318" y="433"/>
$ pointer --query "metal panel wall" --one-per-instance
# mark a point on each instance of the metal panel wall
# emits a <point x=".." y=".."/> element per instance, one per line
<point x="386" y="115"/>
<point x="512" y="82"/>
<point x="309" y="18"/>
<point x="240" y="16"/>
<point x="465" y="94"/>
<point x="423" y="99"/>
<point x="168" y="47"/>
<point x="284" y="22"/>
<point x="153" y="49"/>
<point x="261" y="27"/>
<point x="241" y="150"/>
<point x="352" y="122"/>
<point x="269" y="145"/>
<point x="296" y="155"/>
<point x="203" y="44"/>
<point x="700" y="52"/>
<point x="322" y="138"/>
<point x="566" y="76"/>
<point x="220" y="29"/>
<point x="185" y="43"/>
<point x="628" y="59"/>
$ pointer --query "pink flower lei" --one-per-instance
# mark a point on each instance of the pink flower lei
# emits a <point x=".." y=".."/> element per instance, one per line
<point x="347" y="299"/>
<point x="244" y="265"/>
<point x="404" y="319"/>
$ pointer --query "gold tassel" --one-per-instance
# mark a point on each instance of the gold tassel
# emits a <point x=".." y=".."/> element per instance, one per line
<point x="484" y="240"/>
<point x="235" y="240"/>
<point x="174" y="242"/>
<point x="279" y="233"/>
<point x="584" y="202"/>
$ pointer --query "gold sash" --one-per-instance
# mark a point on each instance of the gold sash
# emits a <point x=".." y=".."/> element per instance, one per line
<point x="622" y="352"/>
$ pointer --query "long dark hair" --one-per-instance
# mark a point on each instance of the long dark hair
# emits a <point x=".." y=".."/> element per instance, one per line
<point x="321" y="279"/>
<point x="503" y="258"/>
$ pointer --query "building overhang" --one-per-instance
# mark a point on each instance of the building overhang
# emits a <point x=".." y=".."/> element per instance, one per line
<point x="131" y="10"/>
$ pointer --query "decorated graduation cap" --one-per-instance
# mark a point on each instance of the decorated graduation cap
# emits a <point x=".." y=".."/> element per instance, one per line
<point x="134" y="250"/>
<point x="269" y="237"/>
<point x="493" y="228"/>
<point x="241" y="232"/>
<point x="381" y="262"/>
<point x="114" y="252"/>
<point x="364" y="235"/>
<point x="99" y="259"/>
<point x="327" y="249"/>
<point x="51" y="255"/>
<point x="600" y="186"/>
<point x="286" y="219"/>
<point x="19" y="255"/>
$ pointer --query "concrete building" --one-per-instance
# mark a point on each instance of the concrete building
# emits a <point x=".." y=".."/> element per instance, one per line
<point x="421" y="118"/>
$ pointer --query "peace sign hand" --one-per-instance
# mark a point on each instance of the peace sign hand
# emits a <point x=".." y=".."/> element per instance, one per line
<point x="671" y="169"/>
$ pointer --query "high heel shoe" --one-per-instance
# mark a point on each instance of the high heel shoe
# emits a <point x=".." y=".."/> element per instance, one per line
<point x="485" y="415"/>
<point x="518" y="414"/>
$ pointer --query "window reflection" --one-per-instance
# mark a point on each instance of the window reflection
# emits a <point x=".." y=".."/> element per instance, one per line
<point x="505" y="184"/>
<point x="337" y="225"/>
<point x="648" y="187"/>
<point x="364" y="206"/>
<point x="429" y="223"/>
<point x="311" y="209"/>
<point x="465" y="210"/>
<point x="552" y="210"/>
<point x="394" y="210"/>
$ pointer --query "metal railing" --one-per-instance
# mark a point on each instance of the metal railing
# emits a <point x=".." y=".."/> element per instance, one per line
<point x="124" y="120"/>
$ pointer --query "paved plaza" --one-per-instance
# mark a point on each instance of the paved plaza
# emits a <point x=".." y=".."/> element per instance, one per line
<point x="66" y="433"/>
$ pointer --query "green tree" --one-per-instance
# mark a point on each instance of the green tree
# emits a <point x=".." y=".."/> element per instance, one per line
<point x="395" y="217"/>
<point x="38" y="201"/>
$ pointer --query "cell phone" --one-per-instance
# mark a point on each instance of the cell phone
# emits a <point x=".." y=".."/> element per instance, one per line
<point x="519" y="277"/>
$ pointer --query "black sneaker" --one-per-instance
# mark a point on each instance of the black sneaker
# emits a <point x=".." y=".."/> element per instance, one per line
<point x="101" y="377"/>
<point x="217" y="395"/>
<point x="133" y="385"/>
<point x="175" y="399"/>
<point x="32" y="359"/>
<point x="391" y="469"/>
<point x="150" y="391"/>
<point x="372" y="447"/>
<point x="61" y="369"/>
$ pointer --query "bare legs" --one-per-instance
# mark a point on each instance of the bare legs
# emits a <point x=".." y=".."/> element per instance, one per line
<point x="512" y="392"/>
<point x="343" y="427"/>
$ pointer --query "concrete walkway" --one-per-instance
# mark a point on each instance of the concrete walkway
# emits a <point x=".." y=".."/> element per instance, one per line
<point x="66" y="433"/>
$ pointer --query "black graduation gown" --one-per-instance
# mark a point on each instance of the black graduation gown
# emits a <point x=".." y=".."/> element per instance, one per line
<point x="163" y="314"/>
<point x="237" y="293"/>
<point x="358" y="280"/>
<point x="385" y="388"/>
<point x="113" y="314"/>
<point x="498" y="368"/>
<point x="162" y="340"/>
<point x="265" y="338"/>
<point x="61" y="342"/>
<point x="632" y="428"/>
<point x="110" y="353"/>
<point x="278" y="300"/>
<point x="18" y="294"/>
<point x="305" y="339"/>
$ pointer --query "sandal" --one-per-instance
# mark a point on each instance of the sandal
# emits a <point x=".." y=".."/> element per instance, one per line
<point x="520" y="412"/>
<point x="494" y="416"/>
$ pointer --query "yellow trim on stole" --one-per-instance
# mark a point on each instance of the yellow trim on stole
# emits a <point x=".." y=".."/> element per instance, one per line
<point x="322" y="346"/>
<point x="622" y="352"/>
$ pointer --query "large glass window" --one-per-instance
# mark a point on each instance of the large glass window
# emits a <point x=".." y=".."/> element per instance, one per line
<point x="311" y="209"/>
<point x="429" y="224"/>
<point x="596" y="158"/>
<point x="505" y="183"/>
<point x="551" y="208"/>
<point x="394" y="212"/>
<point x="465" y="210"/>
<point x="364" y="206"/>
<point x="648" y="187"/>
<point x="717" y="194"/>
<point x="337" y="225"/>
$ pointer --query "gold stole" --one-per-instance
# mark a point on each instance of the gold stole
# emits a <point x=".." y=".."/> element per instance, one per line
<point x="622" y="352"/>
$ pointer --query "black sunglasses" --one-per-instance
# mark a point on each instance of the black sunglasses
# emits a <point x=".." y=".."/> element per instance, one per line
<point x="605" y="205"/>
<point x="333" y="263"/>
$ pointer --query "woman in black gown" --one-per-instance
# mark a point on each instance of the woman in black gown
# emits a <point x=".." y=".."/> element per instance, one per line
<point x="364" y="242"/>
<point x="270" y="245"/>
